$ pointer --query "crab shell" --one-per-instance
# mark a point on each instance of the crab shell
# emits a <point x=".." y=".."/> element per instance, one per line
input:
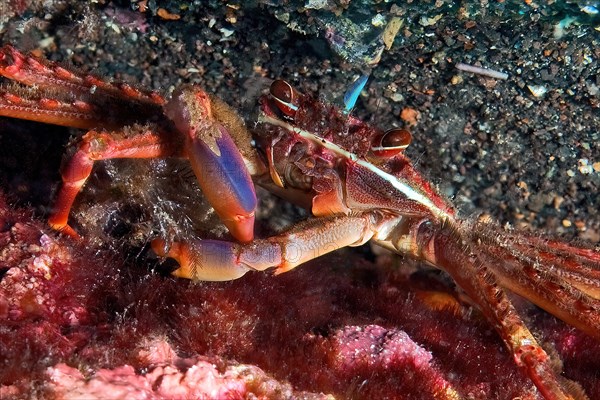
<point x="318" y="153"/>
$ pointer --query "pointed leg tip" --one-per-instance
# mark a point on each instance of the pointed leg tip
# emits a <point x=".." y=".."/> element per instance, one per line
<point x="66" y="230"/>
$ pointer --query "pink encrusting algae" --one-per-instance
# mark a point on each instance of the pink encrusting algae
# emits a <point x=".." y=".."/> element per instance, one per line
<point x="76" y="322"/>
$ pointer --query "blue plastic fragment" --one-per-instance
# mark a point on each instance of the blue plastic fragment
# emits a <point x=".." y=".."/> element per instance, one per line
<point x="353" y="92"/>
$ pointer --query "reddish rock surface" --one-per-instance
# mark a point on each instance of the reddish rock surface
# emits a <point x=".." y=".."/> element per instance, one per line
<point x="77" y="322"/>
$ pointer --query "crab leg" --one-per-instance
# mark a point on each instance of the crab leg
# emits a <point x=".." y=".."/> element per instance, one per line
<point x="21" y="103"/>
<point x="97" y="146"/>
<point x="223" y="180"/>
<point x="222" y="163"/>
<point x="69" y="98"/>
<point x="561" y="279"/>
<point x="445" y="246"/>
<point x="215" y="260"/>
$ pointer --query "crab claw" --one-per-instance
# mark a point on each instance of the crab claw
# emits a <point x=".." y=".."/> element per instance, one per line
<point x="216" y="161"/>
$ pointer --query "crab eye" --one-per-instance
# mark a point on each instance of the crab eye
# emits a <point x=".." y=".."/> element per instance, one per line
<point x="391" y="142"/>
<point x="285" y="97"/>
<point x="396" y="138"/>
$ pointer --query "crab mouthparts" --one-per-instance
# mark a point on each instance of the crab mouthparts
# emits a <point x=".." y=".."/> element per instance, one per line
<point x="403" y="187"/>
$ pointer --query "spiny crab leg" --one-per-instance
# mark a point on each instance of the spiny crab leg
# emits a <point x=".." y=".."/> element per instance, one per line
<point x="562" y="279"/>
<point x="96" y="146"/>
<point x="216" y="260"/>
<point x="69" y="98"/>
<point x="201" y="128"/>
<point x="450" y="248"/>
<point x="215" y="159"/>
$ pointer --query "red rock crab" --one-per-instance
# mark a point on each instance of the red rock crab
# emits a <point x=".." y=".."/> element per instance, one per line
<point x="353" y="177"/>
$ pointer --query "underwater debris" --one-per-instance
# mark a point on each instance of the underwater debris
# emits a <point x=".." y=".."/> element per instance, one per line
<point x="482" y="71"/>
<point x="537" y="90"/>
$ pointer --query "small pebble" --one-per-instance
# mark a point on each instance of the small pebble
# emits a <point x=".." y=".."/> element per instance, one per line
<point x="166" y="15"/>
<point x="378" y="20"/>
<point x="456" y="79"/>
<point x="537" y="90"/>
<point x="584" y="166"/>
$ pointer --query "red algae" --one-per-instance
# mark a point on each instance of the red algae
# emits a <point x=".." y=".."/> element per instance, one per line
<point x="84" y="322"/>
<point x="200" y="380"/>
<point x="372" y="352"/>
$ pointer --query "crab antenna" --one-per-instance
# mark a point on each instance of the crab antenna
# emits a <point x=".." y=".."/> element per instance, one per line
<point x="353" y="92"/>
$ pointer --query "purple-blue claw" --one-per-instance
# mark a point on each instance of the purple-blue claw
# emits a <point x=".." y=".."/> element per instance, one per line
<point x="216" y="161"/>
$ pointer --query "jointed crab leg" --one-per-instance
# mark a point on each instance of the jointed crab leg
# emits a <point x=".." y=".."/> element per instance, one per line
<point x="216" y="260"/>
<point x="96" y="146"/>
<point x="562" y="279"/>
<point x="21" y="103"/>
<point x="446" y="247"/>
<point x="45" y="74"/>
<point x="64" y="97"/>
<point x="223" y="177"/>
<point x="579" y="266"/>
<point x="202" y="129"/>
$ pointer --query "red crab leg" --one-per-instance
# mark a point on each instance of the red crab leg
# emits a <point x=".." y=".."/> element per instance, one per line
<point x="42" y="73"/>
<point x="69" y="98"/>
<point x="23" y="104"/>
<point x="102" y="146"/>
<point x="562" y="279"/>
<point x="220" y="170"/>
<point x="448" y="248"/>
<point x="215" y="260"/>
<point x="224" y="180"/>
<point x="74" y="99"/>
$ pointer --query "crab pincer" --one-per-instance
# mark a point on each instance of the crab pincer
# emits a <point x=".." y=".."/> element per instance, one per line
<point x="216" y="161"/>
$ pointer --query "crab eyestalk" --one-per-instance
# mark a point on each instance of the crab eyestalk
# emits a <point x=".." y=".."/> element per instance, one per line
<point x="285" y="96"/>
<point x="392" y="142"/>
